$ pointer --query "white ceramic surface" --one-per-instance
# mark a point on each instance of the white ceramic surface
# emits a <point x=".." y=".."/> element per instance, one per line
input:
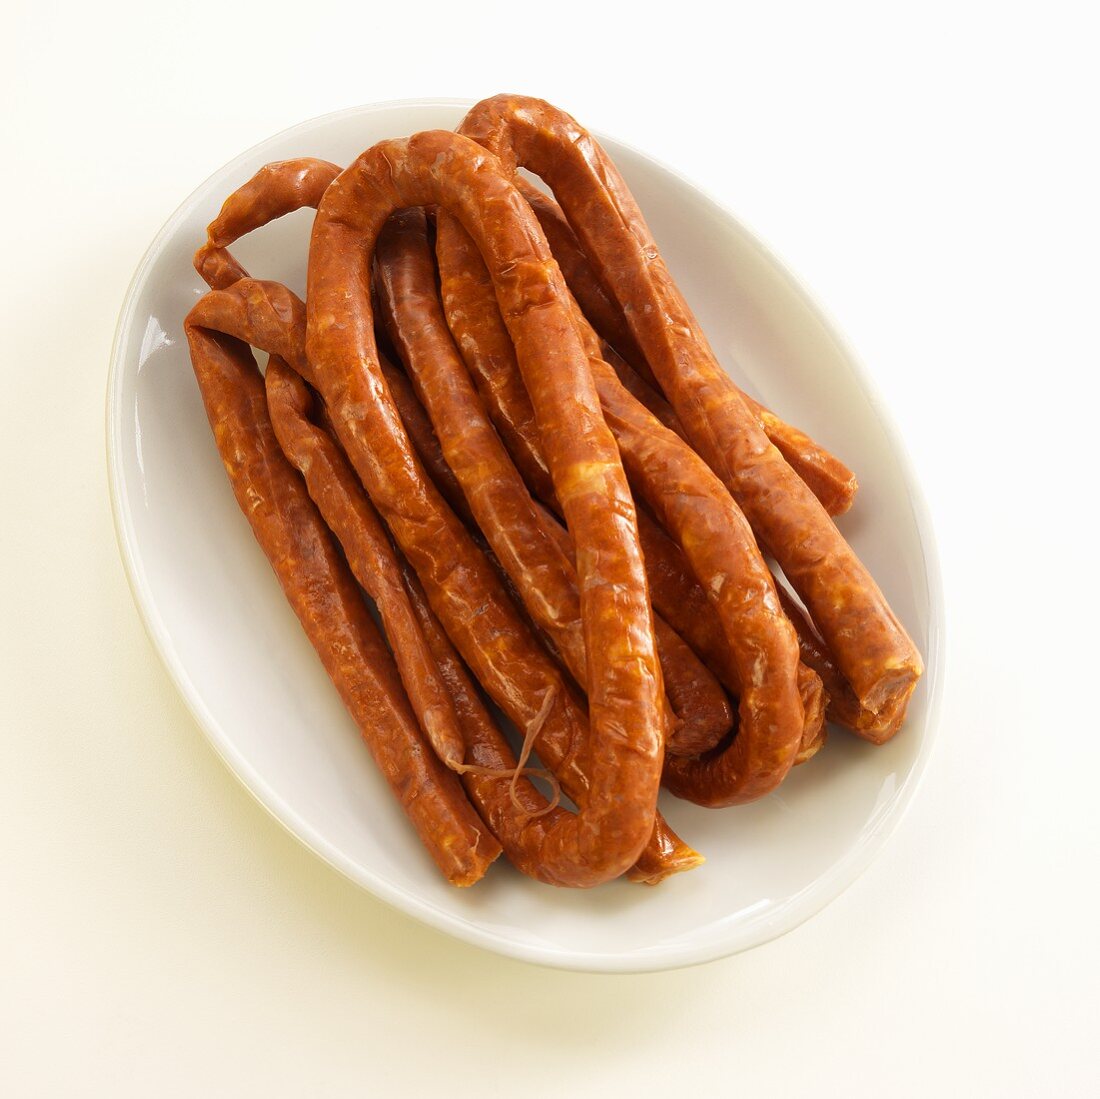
<point x="216" y="615"/>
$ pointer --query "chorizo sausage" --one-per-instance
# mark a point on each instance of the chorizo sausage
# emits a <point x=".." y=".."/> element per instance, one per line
<point x="333" y="488"/>
<point x="476" y="324"/>
<point x="508" y="676"/>
<point x="841" y="704"/>
<point x="690" y="500"/>
<point x="537" y="562"/>
<point x="625" y="747"/>
<point x="875" y="654"/>
<point x="327" y="602"/>
<point x="276" y="190"/>
<point x="691" y="688"/>
<point x="830" y="480"/>
<point x="487" y="764"/>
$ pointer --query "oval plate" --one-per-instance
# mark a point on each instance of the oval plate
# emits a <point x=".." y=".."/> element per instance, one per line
<point x="217" y="617"/>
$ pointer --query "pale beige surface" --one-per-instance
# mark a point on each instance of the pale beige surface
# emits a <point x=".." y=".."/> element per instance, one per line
<point x="159" y="934"/>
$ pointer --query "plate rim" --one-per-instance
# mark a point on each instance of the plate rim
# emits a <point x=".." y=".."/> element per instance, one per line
<point x="779" y="920"/>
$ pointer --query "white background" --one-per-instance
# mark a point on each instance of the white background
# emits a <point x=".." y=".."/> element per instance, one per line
<point x="930" y="172"/>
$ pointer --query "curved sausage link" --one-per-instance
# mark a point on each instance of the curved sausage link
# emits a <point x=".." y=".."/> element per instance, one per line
<point x="830" y="480"/>
<point x="625" y="746"/>
<point x="509" y="678"/>
<point x="538" y="563"/>
<point x="691" y="501"/>
<point x="327" y="602"/>
<point x="498" y="499"/>
<point x="276" y="190"/>
<point x="872" y="648"/>
<point x="334" y="489"/>
<point x="719" y="545"/>
<point x="476" y="325"/>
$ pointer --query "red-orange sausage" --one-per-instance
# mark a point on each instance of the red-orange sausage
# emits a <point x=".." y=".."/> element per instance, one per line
<point x="682" y="602"/>
<point x="625" y="747"/>
<point x="328" y="603"/>
<point x="721" y="548"/>
<point x="538" y="563"/>
<point x="335" y="490"/>
<point x="474" y="320"/>
<point x="278" y="189"/>
<point x="502" y="508"/>
<point x="841" y="704"/>
<point x="872" y="648"/>
<point x="692" y="690"/>
<point x="827" y="477"/>
<point x="275" y="190"/>
<point x="560" y="744"/>
<point x="475" y="323"/>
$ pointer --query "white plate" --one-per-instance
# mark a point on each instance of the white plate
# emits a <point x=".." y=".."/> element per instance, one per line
<point x="218" y="618"/>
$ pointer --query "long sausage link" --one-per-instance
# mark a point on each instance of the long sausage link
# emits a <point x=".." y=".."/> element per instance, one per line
<point x="690" y="500"/>
<point x="475" y="323"/>
<point x="720" y="547"/>
<point x="502" y="508"/>
<point x="274" y="319"/>
<point x="347" y="512"/>
<point x="270" y="317"/>
<point x="873" y="651"/>
<point x="489" y="771"/>
<point x="538" y="563"/>
<point x="625" y="746"/>
<point x="280" y="189"/>
<point x="830" y="480"/>
<point x="324" y="596"/>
